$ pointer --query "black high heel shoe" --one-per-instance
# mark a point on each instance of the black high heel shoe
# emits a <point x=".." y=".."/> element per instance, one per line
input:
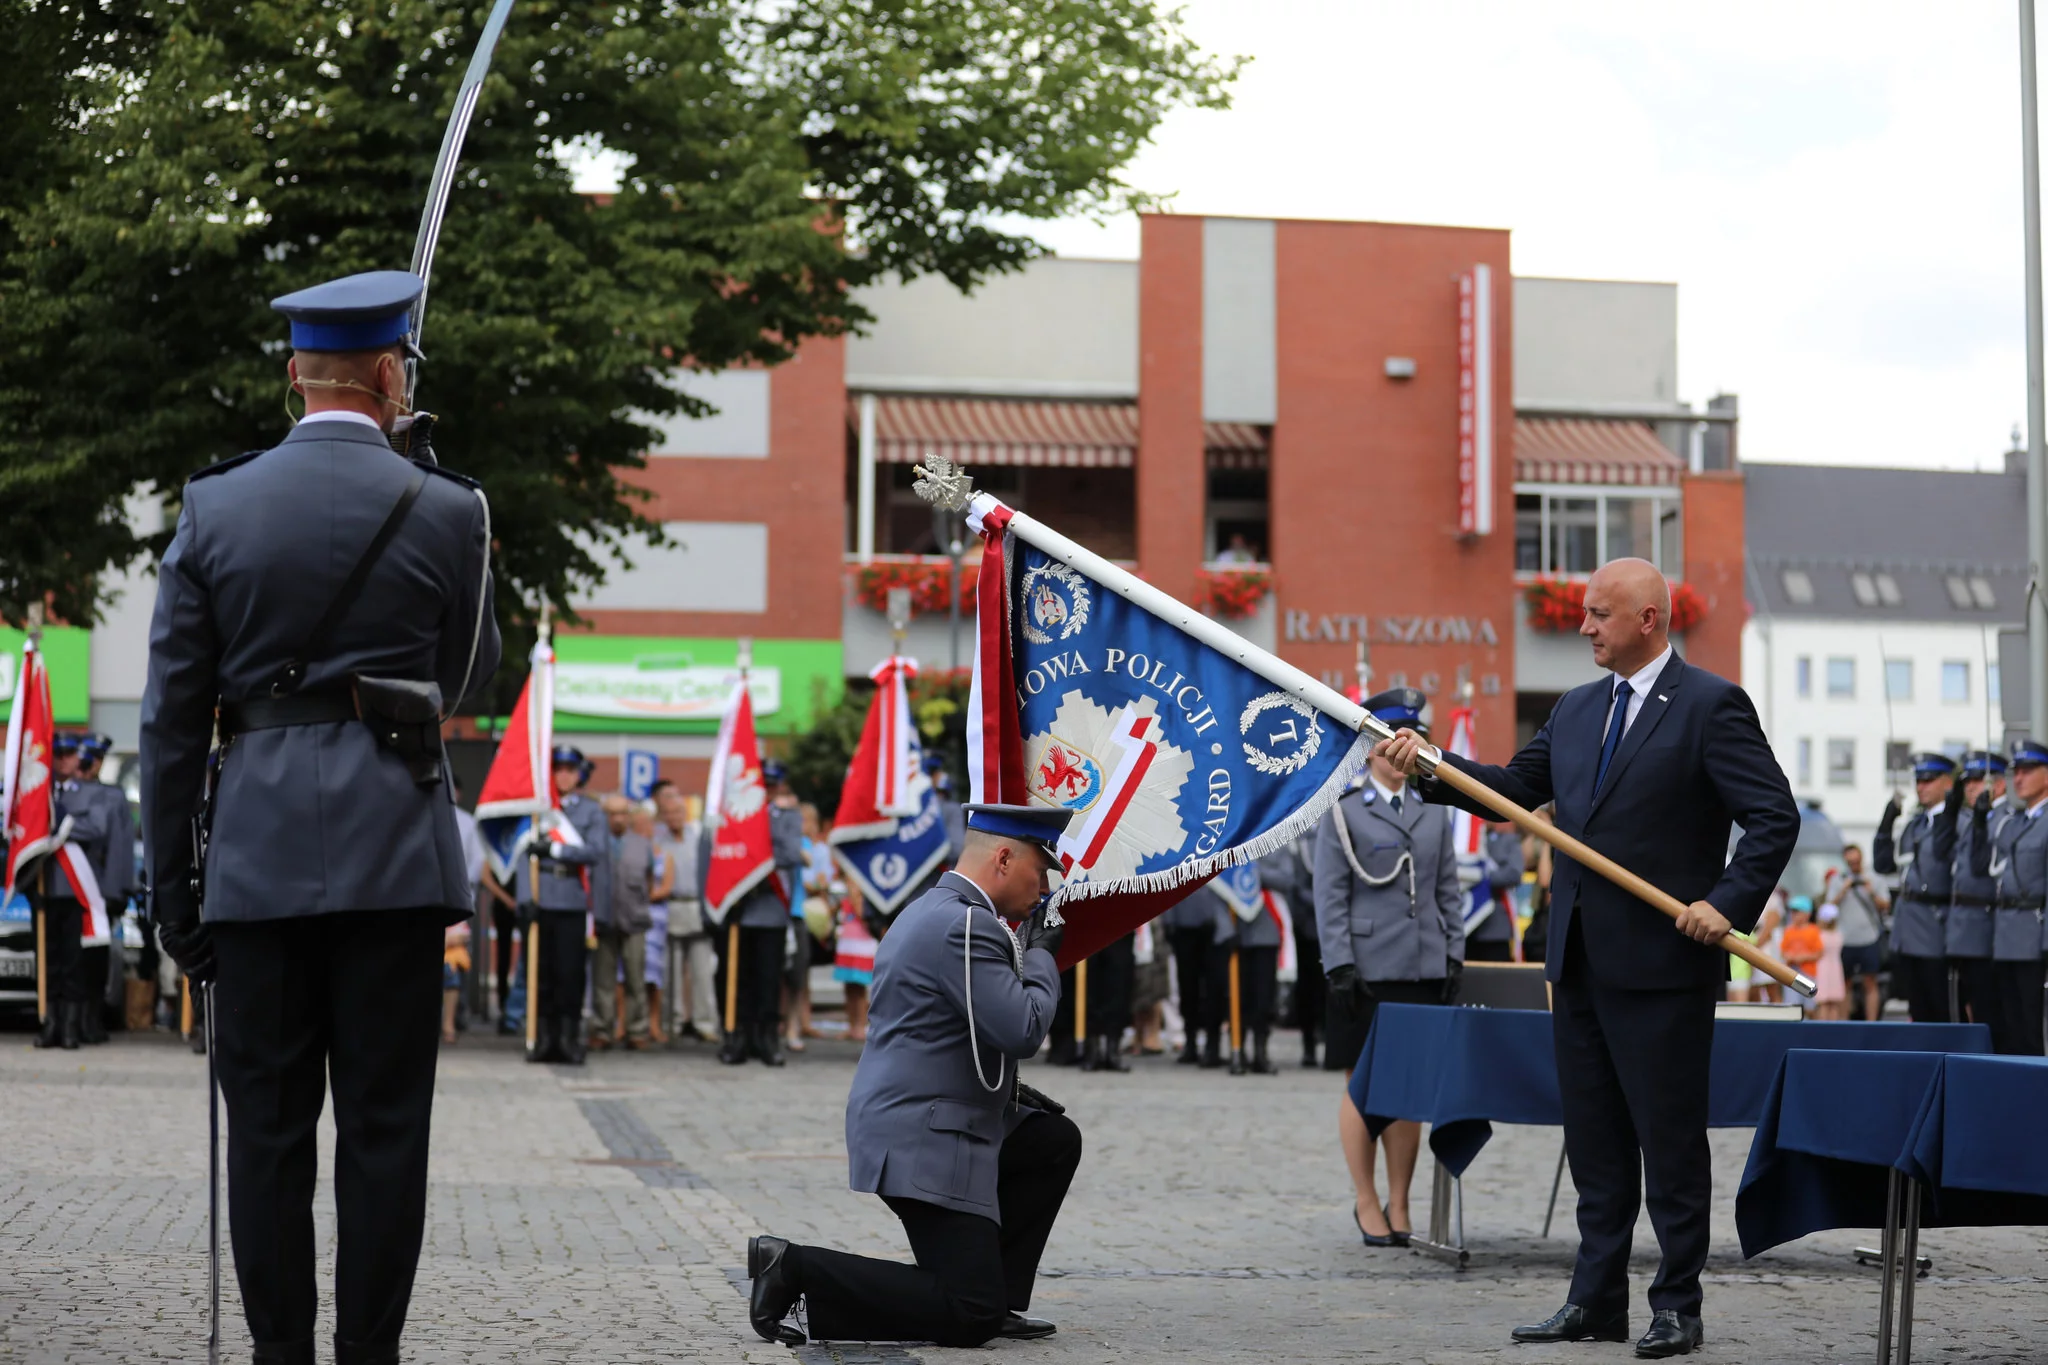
<point x="1370" y="1239"/>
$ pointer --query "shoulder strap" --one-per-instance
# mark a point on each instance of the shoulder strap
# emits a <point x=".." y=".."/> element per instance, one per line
<point x="294" y="672"/>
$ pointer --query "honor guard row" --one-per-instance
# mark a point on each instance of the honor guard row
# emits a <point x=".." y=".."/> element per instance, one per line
<point x="104" y="828"/>
<point x="1972" y="863"/>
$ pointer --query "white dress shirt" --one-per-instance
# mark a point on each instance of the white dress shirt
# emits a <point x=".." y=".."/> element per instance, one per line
<point x="1385" y="795"/>
<point x="343" y="415"/>
<point x="1640" y="685"/>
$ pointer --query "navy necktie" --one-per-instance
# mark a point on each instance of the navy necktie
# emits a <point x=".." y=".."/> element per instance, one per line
<point x="1394" y="803"/>
<point x="1615" y="727"/>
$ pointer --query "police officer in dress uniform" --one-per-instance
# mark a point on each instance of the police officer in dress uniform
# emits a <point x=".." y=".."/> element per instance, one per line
<point x="1493" y="938"/>
<point x="1190" y="927"/>
<point x="1290" y="873"/>
<point x="574" y="876"/>
<point x="1923" y="857"/>
<point x="1973" y="900"/>
<point x="333" y="600"/>
<point x="974" y="1163"/>
<point x="1254" y="939"/>
<point x="764" y="921"/>
<point x="2016" y="857"/>
<point x="63" y="916"/>
<point x="1389" y="909"/>
<point x="113" y="868"/>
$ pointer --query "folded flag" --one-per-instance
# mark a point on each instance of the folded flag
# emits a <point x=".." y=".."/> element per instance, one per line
<point x="1163" y="732"/>
<point x="889" y="833"/>
<point x="519" y="789"/>
<point x="736" y="804"/>
<point x="1468" y="831"/>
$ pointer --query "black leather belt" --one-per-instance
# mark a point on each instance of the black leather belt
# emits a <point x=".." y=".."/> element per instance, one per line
<point x="1922" y="898"/>
<point x="274" y="713"/>
<point x="1976" y="902"/>
<point x="2018" y="903"/>
<point x="555" y="867"/>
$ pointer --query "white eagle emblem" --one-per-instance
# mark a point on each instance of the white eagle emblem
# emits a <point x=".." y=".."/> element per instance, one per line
<point x="1150" y="825"/>
<point x="744" y="793"/>
<point x="1055" y="599"/>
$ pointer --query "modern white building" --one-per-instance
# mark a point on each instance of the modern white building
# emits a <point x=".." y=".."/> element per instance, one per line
<point x="1876" y="601"/>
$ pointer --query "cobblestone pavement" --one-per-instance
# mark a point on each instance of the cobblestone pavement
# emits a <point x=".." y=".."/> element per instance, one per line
<point x="601" y="1214"/>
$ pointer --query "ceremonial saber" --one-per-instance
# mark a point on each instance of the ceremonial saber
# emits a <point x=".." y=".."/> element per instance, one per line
<point x="212" y="1181"/>
<point x="533" y="955"/>
<point x="1352" y="716"/>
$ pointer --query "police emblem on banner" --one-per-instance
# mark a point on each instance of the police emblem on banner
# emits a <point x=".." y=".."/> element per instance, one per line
<point x="1055" y="600"/>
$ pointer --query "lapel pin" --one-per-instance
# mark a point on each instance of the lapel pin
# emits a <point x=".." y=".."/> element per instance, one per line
<point x="1662" y="697"/>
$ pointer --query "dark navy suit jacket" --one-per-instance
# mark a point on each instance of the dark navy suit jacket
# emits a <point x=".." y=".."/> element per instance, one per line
<point x="1693" y="763"/>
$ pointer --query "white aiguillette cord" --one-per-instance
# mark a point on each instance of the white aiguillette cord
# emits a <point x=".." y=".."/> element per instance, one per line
<point x="967" y="969"/>
<point x="1406" y="860"/>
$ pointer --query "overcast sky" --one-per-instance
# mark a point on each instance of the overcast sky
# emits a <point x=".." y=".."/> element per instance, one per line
<point x="1834" y="188"/>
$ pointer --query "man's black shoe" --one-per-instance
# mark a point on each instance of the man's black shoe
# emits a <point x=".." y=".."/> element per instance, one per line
<point x="1017" y="1327"/>
<point x="52" y="1034"/>
<point x="1671" y="1333"/>
<point x="1191" y="1053"/>
<point x="733" y="1051"/>
<point x="1212" y="1050"/>
<point x="774" y="1292"/>
<point x="569" y="1039"/>
<point x="1573" y="1323"/>
<point x="768" y="1045"/>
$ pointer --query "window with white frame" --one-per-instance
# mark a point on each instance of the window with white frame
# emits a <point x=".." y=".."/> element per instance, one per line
<point x="1805" y="762"/>
<point x="1955" y="680"/>
<point x="1842" y="678"/>
<point x="1802" y="675"/>
<point x="1562" y="529"/>
<point x="1898" y="679"/>
<point x="1841" y="763"/>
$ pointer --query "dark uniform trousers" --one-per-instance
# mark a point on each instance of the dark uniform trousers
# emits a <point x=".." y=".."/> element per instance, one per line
<point x="1632" y="1073"/>
<point x="970" y="1272"/>
<point x="760" y="968"/>
<point x="564" y="954"/>
<point x="351" y="999"/>
<point x="505" y="923"/>
<point x="1924" y="983"/>
<point x="63" y="934"/>
<point x="1309" y="993"/>
<point x="1976" y="989"/>
<point x="1192" y="949"/>
<point x="1258" y="986"/>
<point x="2016" y="1008"/>
<point x="1112" y="971"/>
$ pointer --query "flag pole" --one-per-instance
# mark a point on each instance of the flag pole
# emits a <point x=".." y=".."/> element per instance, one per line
<point x="943" y="480"/>
<point x="732" y="931"/>
<point x="38" y="902"/>
<point x="546" y="775"/>
<point x="1237" y="1067"/>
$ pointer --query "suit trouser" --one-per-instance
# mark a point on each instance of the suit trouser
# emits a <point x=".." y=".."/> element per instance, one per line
<point x="505" y="927"/>
<point x="63" y="927"/>
<point x="1111" y="973"/>
<point x="2016" y="1015"/>
<point x="1258" y="986"/>
<point x="760" y="973"/>
<point x="1925" y="980"/>
<point x="1632" y="1072"/>
<point x="970" y="1273"/>
<point x="564" y="955"/>
<point x="614" y="951"/>
<point x="1192" y="949"/>
<point x="352" y="999"/>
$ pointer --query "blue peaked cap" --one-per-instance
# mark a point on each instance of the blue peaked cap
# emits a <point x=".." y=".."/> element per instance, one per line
<point x="1979" y="762"/>
<point x="1399" y="706"/>
<point x="1931" y="765"/>
<point x="1040" y="825"/>
<point x="364" y="312"/>
<point x="2028" y="751"/>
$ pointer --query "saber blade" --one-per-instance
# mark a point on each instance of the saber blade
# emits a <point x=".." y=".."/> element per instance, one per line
<point x="444" y="173"/>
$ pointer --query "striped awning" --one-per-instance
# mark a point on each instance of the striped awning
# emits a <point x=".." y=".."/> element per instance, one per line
<point x="1588" y="450"/>
<point x="1000" y="431"/>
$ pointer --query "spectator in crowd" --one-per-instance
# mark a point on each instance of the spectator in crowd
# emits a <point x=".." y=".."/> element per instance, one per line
<point x="1861" y="904"/>
<point x="811" y="910"/>
<point x="454" y="963"/>
<point x="655" y="960"/>
<point x="678" y="836"/>
<point x="622" y="924"/>
<point x="1801" y="945"/>
<point x="1745" y="983"/>
<point x="1238" y="551"/>
<point x="853" y="965"/>
<point x="1537" y="854"/>
<point x="1831" y="994"/>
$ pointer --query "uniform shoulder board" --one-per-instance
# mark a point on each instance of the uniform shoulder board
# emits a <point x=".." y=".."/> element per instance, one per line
<point x="232" y="462"/>
<point x="445" y="472"/>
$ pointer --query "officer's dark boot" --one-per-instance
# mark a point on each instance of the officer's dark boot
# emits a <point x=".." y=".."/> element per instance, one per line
<point x="569" y="1039"/>
<point x="1086" y="1056"/>
<point x="282" y="1353"/>
<point x="1212" y="1049"/>
<point x="70" y="1025"/>
<point x="1063" y="1051"/>
<point x="733" y="1051"/>
<point x="768" y="1044"/>
<point x="354" y="1353"/>
<point x="52" y="1034"/>
<point x="92" y="1023"/>
<point x="1261" y="1063"/>
<point x="1191" y="1051"/>
<point x="543" y="1040"/>
<point x="1109" y="1056"/>
<point x="1308" y="1049"/>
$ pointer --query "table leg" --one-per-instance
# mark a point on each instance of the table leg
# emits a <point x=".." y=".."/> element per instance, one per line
<point x="1556" y="1181"/>
<point x="1910" y="1253"/>
<point x="1888" y="1260"/>
<point x="1444" y="1188"/>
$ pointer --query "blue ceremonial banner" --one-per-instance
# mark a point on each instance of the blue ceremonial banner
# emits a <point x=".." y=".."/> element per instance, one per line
<point x="887" y="870"/>
<point x="1177" y="760"/>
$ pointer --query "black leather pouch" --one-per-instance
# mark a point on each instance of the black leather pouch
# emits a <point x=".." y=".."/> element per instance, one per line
<point x="405" y="716"/>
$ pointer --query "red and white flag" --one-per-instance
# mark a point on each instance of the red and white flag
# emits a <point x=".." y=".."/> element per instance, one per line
<point x="881" y="783"/>
<point x="519" y="788"/>
<point x="736" y="804"/>
<point x="1468" y="831"/>
<point x="28" y="798"/>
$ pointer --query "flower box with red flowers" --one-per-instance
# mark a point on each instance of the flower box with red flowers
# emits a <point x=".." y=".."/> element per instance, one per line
<point x="926" y="580"/>
<point x="1558" y="605"/>
<point x="1232" y="594"/>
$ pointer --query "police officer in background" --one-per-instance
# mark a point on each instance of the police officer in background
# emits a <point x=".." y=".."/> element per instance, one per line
<point x="2016" y="857"/>
<point x="1245" y="930"/>
<point x="574" y="874"/>
<point x="63" y="917"/>
<point x="333" y="600"/>
<point x="1389" y="908"/>
<point x="1923" y="858"/>
<point x="1297" y="886"/>
<point x="1190" y="927"/>
<point x="113" y="867"/>
<point x="1493" y="938"/>
<point x="1973" y="899"/>
<point x="763" y="916"/>
<point x="975" y="1164"/>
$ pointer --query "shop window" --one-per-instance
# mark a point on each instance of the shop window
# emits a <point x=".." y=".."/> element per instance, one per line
<point x="1239" y="518"/>
<point x="1573" y="532"/>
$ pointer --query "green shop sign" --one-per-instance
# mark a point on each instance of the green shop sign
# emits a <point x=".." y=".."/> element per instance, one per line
<point x="67" y="653"/>
<point x="659" y="685"/>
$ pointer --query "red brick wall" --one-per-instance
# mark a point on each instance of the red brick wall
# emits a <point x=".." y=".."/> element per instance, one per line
<point x="1713" y="565"/>
<point x="799" y="490"/>
<point x="1364" y="468"/>
<point x="1172" y="479"/>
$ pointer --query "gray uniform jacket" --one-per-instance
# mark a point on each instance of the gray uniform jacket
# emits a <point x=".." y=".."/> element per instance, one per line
<point x="1925" y="857"/>
<point x="1257" y="932"/>
<point x="92" y="830"/>
<point x="1970" y="915"/>
<point x="309" y="819"/>
<point x="762" y="907"/>
<point x="117" y="877"/>
<point x="563" y="866"/>
<point x="1503" y="850"/>
<point x="920" y="1121"/>
<point x="1387" y="932"/>
<point x="1197" y="910"/>
<point x="2020" y="859"/>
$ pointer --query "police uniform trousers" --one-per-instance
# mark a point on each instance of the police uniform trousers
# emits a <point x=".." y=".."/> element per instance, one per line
<point x="1976" y="989"/>
<point x="1112" y="971"/>
<point x="564" y="959"/>
<point x="971" y="1272"/>
<point x="760" y="974"/>
<point x="1632" y="1073"/>
<point x="1309" y="989"/>
<point x="63" y="929"/>
<point x="505" y="934"/>
<point x="1345" y="1028"/>
<point x="1258" y="986"/>
<point x="2016" y="1007"/>
<point x="1923" y="982"/>
<point x="351" y="999"/>
<point x="94" y="967"/>
<point x="1192" y="949"/>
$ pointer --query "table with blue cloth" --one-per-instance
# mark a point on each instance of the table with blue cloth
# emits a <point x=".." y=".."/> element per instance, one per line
<point x="1896" y="1140"/>
<point x="1461" y="1070"/>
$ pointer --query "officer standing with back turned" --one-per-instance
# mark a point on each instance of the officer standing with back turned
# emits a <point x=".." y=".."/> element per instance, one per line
<point x="333" y="601"/>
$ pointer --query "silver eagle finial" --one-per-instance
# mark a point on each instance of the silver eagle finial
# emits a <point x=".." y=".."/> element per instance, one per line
<point x="943" y="483"/>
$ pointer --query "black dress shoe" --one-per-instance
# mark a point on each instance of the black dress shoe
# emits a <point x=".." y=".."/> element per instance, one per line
<point x="1191" y="1054"/>
<point x="1671" y="1333"/>
<point x="1017" y="1327"/>
<point x="1573" y="1323"/>
<point x="1373" y="1239"/>
<point x="774" y="1292"/>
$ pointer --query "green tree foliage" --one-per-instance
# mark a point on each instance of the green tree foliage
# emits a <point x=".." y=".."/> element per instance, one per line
<point x="165" y="171"/>
<point x="818" y="758"/>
